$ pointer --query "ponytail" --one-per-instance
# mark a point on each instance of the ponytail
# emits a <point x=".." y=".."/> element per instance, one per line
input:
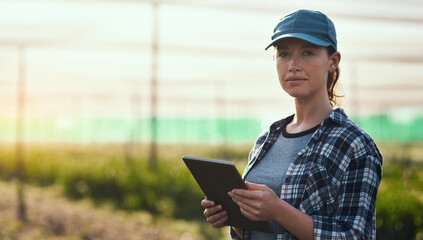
<point x="332" y="80"/>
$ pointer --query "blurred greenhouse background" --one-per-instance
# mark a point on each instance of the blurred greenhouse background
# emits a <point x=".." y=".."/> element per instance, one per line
<point x="80" y="79"/>
<point x="92" y="69"/>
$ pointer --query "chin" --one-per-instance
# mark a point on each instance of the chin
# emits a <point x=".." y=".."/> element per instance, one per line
<point x="296" y="94"/>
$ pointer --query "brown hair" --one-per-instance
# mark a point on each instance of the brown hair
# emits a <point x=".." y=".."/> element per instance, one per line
<point x="332" y="80"/>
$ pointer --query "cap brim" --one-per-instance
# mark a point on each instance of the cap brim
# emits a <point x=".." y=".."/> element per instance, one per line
<point x="302" y="36"/>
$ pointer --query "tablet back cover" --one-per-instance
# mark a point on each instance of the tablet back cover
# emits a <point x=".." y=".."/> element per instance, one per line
<point x="216" y="178"/>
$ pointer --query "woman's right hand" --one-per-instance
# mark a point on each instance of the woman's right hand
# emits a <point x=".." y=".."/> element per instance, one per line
<point x="215" y="214"/>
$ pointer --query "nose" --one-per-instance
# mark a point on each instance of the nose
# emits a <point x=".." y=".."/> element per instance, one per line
<point x="293" y="65"/>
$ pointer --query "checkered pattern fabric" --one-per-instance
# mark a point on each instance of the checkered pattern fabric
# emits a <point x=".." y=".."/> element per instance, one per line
<point x="334" y="179"/>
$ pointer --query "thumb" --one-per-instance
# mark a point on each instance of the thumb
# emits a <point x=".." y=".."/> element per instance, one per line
<point x="255" y="186"/>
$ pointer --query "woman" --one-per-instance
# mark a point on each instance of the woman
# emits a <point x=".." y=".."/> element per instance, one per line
<point x="315" y="173"/>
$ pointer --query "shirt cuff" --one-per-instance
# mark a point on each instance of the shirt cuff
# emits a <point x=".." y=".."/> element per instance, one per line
<point x="327" y="228"/>
<point x="233" y="234"/>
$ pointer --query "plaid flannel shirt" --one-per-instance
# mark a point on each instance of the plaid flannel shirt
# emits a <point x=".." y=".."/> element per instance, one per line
<point x="334" y="179"/>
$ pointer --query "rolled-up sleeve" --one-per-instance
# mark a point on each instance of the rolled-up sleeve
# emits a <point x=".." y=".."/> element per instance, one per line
<point x="354" y="217"/>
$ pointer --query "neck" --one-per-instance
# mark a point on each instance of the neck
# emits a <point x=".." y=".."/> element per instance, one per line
<point x="312" y="110"/>
<point x="309" y="114"/>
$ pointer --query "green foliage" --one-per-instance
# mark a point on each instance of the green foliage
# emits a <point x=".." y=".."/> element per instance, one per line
<point x="168" y="190"/>
<point x="103" y="174"/>
<point x="128" y="184"/>
<point x="400" y="201"/>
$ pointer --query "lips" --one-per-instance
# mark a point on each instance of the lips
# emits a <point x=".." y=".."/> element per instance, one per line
<point x="295" y="79"/>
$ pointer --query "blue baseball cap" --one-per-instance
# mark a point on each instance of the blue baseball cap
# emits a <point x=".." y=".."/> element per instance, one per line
<point x="311" y="26"/>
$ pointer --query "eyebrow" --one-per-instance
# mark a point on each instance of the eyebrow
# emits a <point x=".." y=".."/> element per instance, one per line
<point x="302" y="46"/>
<point x="309" y="46"/>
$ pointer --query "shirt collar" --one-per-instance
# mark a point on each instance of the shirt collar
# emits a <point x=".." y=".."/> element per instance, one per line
<point x="337" y="117"/>
<point x="277" y="126"/>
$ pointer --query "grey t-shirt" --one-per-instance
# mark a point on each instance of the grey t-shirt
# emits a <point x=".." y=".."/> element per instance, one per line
<point x="271" y="170"/>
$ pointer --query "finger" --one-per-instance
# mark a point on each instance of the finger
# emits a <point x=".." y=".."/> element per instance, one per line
<point x="255" y="186"/>
<point x="246" y="205"/>
<point x="250" y="215"/>
<point x="207" y="203"/>
<point x="250" y="210"/>
<point x="220" y="222"/>
<point x="246" y="194"/>
<point x="239" y="193"/>
<point x="218" y="219"/>
<point x="212" y="210"/>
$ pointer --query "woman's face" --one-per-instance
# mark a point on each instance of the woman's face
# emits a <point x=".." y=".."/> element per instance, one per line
<point x="303" y="68"/>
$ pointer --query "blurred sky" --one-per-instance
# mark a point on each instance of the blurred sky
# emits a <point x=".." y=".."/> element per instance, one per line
<point x="95" y="57"/>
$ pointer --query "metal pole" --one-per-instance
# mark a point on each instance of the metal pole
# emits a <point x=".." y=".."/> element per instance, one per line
<point x="153" y="100"/>
<point x="134" y="129"/>
<point x="20" y="125"/>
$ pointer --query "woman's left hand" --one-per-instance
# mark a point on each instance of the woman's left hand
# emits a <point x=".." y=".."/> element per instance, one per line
<point x="258" y="203"/>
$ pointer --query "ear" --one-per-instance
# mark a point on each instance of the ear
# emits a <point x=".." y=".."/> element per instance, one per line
<point x="334" y="60"/>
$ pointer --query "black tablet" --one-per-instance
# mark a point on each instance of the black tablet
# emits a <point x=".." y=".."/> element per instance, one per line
<point x="216" y="178"/>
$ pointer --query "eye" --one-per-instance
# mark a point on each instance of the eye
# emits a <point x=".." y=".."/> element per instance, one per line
<point x="308" y="53"/>
<point x="283" y="54"/>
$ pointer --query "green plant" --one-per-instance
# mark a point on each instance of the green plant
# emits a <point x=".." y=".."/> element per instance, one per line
<point x="105" y="174"/>
<point x="400" y="201"/>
